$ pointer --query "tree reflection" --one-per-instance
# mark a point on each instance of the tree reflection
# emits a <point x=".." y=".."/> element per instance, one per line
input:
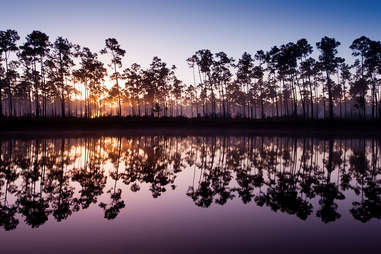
<point x="8" y="176"/>
<point x="43" y="178"/>
<point x="368" y="186"/>
<point x="112" y="210"/>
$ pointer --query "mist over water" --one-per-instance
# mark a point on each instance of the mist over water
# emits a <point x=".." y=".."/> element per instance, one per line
<point x="216" y="194"/>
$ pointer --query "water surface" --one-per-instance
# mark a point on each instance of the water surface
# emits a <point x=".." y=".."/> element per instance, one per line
<point x="195" y="194"/>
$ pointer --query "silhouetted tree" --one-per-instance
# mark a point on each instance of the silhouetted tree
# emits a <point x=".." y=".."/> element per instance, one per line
<point x="36" y="48"/>
<point x="116" y="52"/>
<point x="59" y="63"/>
<point x="329" y="63"/>
<point x="8" y="41"/>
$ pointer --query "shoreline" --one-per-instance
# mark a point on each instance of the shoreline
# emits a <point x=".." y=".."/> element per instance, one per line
<point x="187" y="127"/>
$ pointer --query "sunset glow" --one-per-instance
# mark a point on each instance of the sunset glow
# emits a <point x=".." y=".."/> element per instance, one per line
<point x="190" y="126"/>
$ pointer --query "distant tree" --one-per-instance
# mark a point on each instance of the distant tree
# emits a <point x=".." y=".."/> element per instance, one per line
<point x="329" y="63"/>
<point x="2" y="85"/>
<point x="91" y="75"/>
<point x="134" y="86"/>
<point x="158" y="80"/>
<point x="221" y="76"/>
<point x="8" y="41"/>
<point x="113" y="48"/>
<point x="25" y="85"/>
<point x="204" y="60"/>
<point x="275" y="81"/>
<point x="345" y="76"/>
<point x="191" y="99"/>
<point x="60" y="62"/>
<point x="360" y="47"/>
<point x="367" y="65"/>
<point x="373" y="63"/>
<point x="244" y="77"/>
<point x="177" y="92"/>
<point x="286" y="63"/>
<point x="192" y="62"/>
<point x="11" y="77"/>
<point x="258" y="74"/>
<point x="308" y="70"/>
<point x="36" y="48"/>
<point x="304" y="49"/>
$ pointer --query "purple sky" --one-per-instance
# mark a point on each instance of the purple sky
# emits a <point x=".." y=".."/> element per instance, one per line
<point x="174" y="30"/>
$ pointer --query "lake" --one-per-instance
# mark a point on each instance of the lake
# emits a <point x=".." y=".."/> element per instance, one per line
<point x="190" y="194"/>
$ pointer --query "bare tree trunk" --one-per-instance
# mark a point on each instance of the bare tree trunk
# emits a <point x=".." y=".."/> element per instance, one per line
<point x="330" y="99"/>
<point x="1" y="103"/>
<point x="311" y="98"/>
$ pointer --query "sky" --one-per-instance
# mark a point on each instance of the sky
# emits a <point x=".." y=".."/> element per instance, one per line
<point x="174" y="30"/>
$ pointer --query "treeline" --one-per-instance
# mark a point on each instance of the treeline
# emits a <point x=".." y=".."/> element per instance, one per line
<point x="42" y="78"/>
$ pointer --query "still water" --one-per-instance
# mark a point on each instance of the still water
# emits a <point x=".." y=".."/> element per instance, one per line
<point x="194" y="194"/>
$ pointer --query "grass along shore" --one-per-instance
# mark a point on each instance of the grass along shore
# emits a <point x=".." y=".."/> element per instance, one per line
<point x="189" y="124"/>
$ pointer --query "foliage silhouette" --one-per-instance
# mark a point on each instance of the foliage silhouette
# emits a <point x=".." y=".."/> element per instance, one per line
<point x="60" y="79"/>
